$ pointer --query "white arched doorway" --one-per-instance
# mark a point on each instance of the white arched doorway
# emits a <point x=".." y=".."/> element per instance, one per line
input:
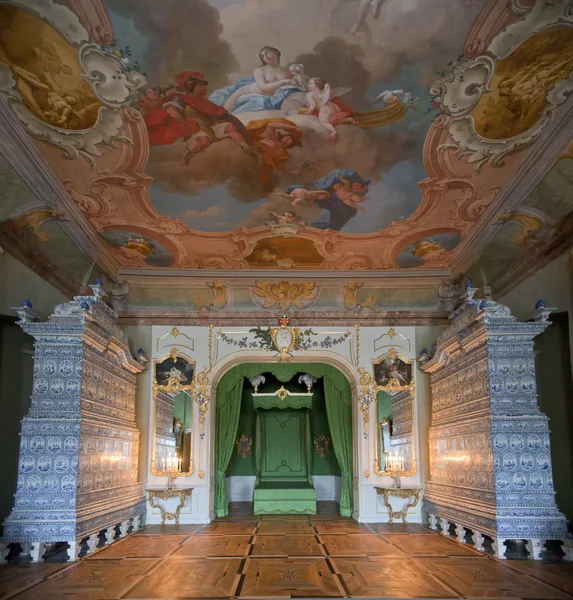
<point x="339" y="363"/>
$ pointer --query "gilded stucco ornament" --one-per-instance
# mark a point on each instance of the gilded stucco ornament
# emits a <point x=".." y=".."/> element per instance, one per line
<point x="218" y="300"/>
<point x="110" y="82"/>
<point x="285" y="294"/>
<point x="460" y="92"/>
<point x="352" y="302"/>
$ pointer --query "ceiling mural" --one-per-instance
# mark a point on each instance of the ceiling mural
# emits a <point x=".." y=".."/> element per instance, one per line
<point x="286" y="135"/>
<point x="38" y="235"/>
<point x="532" y="227"/>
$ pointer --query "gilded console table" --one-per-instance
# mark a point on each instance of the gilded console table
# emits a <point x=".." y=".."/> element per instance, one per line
<point x="403" y="492"/>
<point x="164" y="494"/>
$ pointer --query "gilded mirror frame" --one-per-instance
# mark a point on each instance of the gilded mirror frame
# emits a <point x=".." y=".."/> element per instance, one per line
<point x="392" y="387"/>
<point x="172" y="386"/>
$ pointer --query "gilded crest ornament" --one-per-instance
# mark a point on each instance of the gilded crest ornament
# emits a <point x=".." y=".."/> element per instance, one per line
<point x="244" y="445"/>
<point x="284" y="337"/>
<point x="321" y="445"/>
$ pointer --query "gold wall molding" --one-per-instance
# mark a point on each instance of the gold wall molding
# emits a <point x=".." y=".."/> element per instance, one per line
<point x="33" y="220"/>
<point x="218" y="301"/>
<point x="351" y="301"/>
<point x="285" y="294"/>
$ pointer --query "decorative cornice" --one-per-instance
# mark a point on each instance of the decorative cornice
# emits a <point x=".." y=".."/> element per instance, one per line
<point x="538" y="162"/>
<point x="180" y="317"/>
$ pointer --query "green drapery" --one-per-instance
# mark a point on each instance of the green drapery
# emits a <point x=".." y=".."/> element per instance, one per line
<point x="308" y="447"/>
<point x="226" y="422"/>
<point x="258" y="442"/>
<point x="341" y="432"/>
<point x="338" y="400"/>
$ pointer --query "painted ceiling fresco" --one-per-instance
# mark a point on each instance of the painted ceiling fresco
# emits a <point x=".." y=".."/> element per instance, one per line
<point x="285" y="134"/>
<point x="533" y="226"/>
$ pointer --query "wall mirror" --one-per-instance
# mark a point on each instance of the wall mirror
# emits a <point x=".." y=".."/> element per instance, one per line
<point x="394" y="392"/>
<point x="173" y="393"/>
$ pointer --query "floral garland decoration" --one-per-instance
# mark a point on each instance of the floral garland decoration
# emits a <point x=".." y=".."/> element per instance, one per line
<point x="263" y="340"/>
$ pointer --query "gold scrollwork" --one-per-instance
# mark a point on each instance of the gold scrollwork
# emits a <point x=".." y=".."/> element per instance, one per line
<point x="391" y="334"/>
<point x="165" y="495"/>
<point x="366" y="396"/>
<point x="244" y="445"/>
<point x="201" y="474"/>
<point x="175" y="333"/>
<point x="405" y="493"/>
<point x="321" y="445"/>
<point x="285" y="294"/>
<point x="282" y="392"/>
<point x="284" y="338"/>
<point x="202" y="395"/>
<point x="351" y="301"/>
<point x="366" y="473"/>
<point x="218" y="300"/>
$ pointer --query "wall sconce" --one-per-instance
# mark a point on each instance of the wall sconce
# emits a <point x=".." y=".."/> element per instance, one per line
<point x="321" y="444"/>
<point x="244" y="445"/>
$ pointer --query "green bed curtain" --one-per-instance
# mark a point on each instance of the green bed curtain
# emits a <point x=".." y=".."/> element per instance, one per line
<point x="338" y="400"/>
<point x="228" y="408"/>
<point x="258" y="444"/>
<point x="339" y="414"/>
<point x="308" y="447"/>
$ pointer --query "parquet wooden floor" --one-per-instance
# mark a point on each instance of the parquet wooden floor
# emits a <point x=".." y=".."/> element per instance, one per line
<point x="324" y="556"/>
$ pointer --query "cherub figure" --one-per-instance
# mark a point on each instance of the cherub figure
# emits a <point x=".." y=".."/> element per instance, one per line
<point x="299" y="77"/>
<point x="59" y="109"/>
<point x="349" y="192"/>
<point x="324" y="103"/>
<point x="299" y="194"/>
<point x="287" y="218"/>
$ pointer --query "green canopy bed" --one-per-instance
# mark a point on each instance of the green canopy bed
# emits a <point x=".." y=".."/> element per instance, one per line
<point x="282" y="438"/>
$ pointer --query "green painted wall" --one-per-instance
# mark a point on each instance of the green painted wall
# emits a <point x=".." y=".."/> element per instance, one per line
<point x="327" y="465"/>
<point x="16" y="372"/>
<point x="555" y="397"/>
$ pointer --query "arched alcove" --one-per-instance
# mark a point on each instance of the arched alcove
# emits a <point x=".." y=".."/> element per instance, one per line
<point x="228" y="394"/>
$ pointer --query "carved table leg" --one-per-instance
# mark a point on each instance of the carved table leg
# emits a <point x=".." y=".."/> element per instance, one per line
<point x="123" y="529"/>
<point x="4" y="551"/>
<point x="108" y="534"/>
<point x="433" y="522"/>
<point x="92" y="542"/>
<point x="445" y="527"/>
<point x="37" y="550"/>
<point x="136" y="522"/>
<point x="74" y="550"/>
<point x="535" y="547"/>
<point x="479" y="541"/>
<point x="499" y="547"/>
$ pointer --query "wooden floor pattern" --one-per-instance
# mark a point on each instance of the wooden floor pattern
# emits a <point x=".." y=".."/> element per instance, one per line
<point x="243" y="556"/>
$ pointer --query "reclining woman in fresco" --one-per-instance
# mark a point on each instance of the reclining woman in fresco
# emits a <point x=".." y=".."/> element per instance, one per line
<point x="265" y="90"/>
<point x="188" y="114"/>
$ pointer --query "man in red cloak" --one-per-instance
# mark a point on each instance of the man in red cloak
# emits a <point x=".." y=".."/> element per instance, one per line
<point x="189" y="114"/>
